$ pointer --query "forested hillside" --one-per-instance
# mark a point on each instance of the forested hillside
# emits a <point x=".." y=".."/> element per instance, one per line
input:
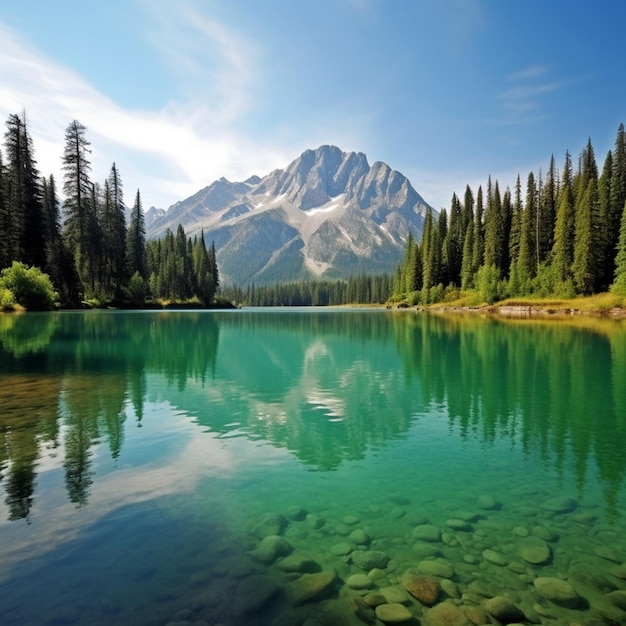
<point x="561" y="234"/>
<point x="84" y="244"/>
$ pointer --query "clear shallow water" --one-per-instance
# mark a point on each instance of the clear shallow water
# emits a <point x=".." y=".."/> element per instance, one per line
<point x="145" y="456"/>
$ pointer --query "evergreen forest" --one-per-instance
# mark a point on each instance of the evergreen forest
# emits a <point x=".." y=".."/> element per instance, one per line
<point x="84" y="244"/>
<point x="562" y="234"/>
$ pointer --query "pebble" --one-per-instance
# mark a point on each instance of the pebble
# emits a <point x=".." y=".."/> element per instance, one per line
<point x="494" y="557"/>
<point x="359" y="536"/>
<point x="298" y="563"/>
<point x="545" y="533"/>
<point x="393" y="613"/>
<point x="425" y="588"/>
<point x="310" y="586"/>
<point x="558" y="591"/>
<point x="488" y="503"/>
<point x="427" y="532"/>
<point x="440" y="568"/>
<point x="270" y="549"/>
<point x="359" y="581"/>
<point x="296" y="513"/>
<point x="520" y="531"/>
<point x="270" y="524"/>
<point x="608" y="553"/>
<point x="459" y="524"/>
<point x="341" y="549"/>
<point x="504" y="610"/>
<point x="535" y="550"/>
<point x="394" y="594"/>
<point x="374" y="599"/>
<point x="618" y="598"/>
<point x="350" y="520"/>
<point x="369" y="559"/>
<point x="446" y="614"/>
<point x="560" y="505"/>
<point x="315" y="521"/>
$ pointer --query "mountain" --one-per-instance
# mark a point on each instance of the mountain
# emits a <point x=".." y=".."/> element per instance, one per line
<point x="327" y="214"/>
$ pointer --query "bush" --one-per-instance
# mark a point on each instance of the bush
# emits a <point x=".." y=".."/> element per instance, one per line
<point x="7" y="299"/>
<point x="488" y="283"/>
<point x="137" y="290"/>
<point x="31" y="288"/>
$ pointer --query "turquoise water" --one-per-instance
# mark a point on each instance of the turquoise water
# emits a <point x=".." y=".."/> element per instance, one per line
<point x="145" y="457"/>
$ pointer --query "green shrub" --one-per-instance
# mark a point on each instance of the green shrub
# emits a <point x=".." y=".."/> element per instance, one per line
<point x="7" y="299"/>
<point x="31" y="288"/>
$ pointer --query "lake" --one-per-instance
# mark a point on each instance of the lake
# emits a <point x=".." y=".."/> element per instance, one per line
<point x="309" y="467"/>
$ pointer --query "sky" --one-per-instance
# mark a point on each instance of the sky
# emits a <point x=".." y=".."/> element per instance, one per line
<point x="179" y="93"/>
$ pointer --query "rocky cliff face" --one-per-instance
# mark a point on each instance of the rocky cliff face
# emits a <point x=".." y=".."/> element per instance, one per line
<point x="327" y="214"/>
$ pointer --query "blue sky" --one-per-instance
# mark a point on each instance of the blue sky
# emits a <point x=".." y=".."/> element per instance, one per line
<point x="179" y="93"/>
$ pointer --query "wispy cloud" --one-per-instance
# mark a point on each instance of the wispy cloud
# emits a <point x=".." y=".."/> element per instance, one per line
<point x="184" y="146"/>
<point x="522" y="101"/>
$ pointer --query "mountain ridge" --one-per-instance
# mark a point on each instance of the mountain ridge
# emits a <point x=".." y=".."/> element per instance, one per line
<point x="327" y="214"/>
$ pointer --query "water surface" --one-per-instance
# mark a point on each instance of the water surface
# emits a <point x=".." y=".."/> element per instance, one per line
<point x="144" y="456"/>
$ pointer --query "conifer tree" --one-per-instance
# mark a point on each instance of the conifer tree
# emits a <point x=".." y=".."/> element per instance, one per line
<point x="563" y="247"/>
<point x="517" y="213"/>
<point x="546" y="215"/>
<point x="23" y="218"/>
<point x="468" y="257"/>
<point x="453" y="243"/>
<point x="136" y="241"/>
<point x="80" y="221"/>
<point x="528" y="247"/>
<point x="479" y="232"/>
<point x="619" y="286"/>
<point x="585" y="265"/>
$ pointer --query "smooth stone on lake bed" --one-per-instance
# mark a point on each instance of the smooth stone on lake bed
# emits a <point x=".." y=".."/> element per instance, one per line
<point x="359" y="536"/>
<point x="560" y="505"/>
<point x="370" y="559"/>
<point x="558" y="591"/>
<point x="488" y="503"/>
<point x="427" y="532"/>
<point x="504" y="610"/>
<point x="440" y="568"/>
<point x="393" y="613"/>
<point x="310" y="586"/>
<point x="341" y="549"/>
<point x="534" y="550"/>
<point x="446" y="614"/>
<point x="425" y="588"/>
<point x="494" y="557"/>
<point x="360" y="581"/>
<point x="459" y="524"/>
<point x="270" y="549"/>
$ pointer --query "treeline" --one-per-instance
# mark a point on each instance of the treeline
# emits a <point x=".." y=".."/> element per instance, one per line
<point x="361" y="289"/>
<point x="84" y="244"/>
<point x="562" y="235"/>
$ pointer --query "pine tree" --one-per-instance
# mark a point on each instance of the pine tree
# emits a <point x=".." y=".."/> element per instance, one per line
<point x="453" y="243"/>
<point x="546" y="216"/>
<point x="115" y="234"/>
<point x="517" y="214"/>
<point x="495" y="236"/>
<point x="619" y="286"/>
<point x="479" y="233"/>
<point x="617" y="195"/>
<point x="467" y="270"/>
<point x="585" y="265"/>
<point x="136" y="241"/>
<point x="23" y="207"/>
<point x="79" y="207"/>
<point x="528" y="247"/>
<point x="563" y="247"/>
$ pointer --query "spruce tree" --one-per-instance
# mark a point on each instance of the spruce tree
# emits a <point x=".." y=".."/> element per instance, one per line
<point x="517" y="214"/>
<point x="585" y="265"/>
<point x="548" y="200"/>
<point x="23" y="205"/>
<point x="528" y="247"/>
<point x="136" y="241"/>
<point x="619" y="286"/>
<point x="563" y="247"/>
<point x="479" y="232"/>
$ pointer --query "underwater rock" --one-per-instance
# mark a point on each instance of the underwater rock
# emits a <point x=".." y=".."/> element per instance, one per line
<point x="560" y="505"/>
<point x="270" y="524"/>
<point x="359" y="536"/>
<point x="298" y="563"/>
<point x="446" y="614"/>
<point x="488" y="503"/>
<point x="350" y="520"/>
<point x="545" y="533"/>
<point x="393" y="613"/>
<point x="394" y="595"/>
<point x="425" y="588"/>
<point x="369" y="559"/>
<point x="270" y="549"/>
<point x="360" y="581"/>
<point x="297" y="513"/>
<point x="558" y="591"/>
<point x="361" y="609"/>
<point x="374" y="599"/>
<point x="315" y="521"/>
<point x="310" y="586"/>
<point x="459" y="524"/>
<point x="427" y="532"/>
<point x="618" y="598"/>
<point x="341" y="549"/>
<point x="504" y="610"/>
<point x="440" y="568"/>
<point x="494" y="557"/>
<point x="534" y="550"/>
<point x="608" y="553"/>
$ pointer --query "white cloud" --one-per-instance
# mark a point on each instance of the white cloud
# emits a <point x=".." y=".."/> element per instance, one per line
<point x="169" y="154"/>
